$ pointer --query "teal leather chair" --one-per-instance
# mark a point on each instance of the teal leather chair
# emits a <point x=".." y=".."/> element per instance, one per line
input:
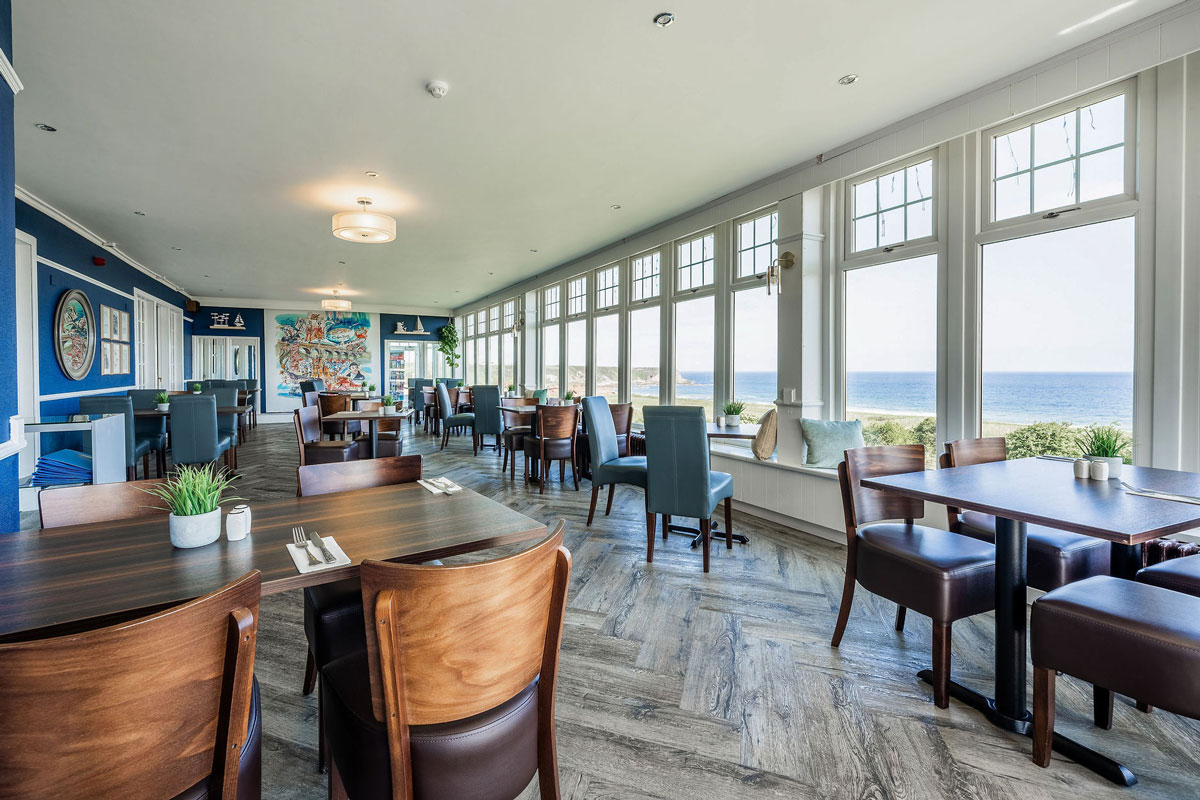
<point x="678" y="480"/>
<point x="194" y="435"/>
<point x="608" y="466"/>
<point x="486" y="400"/>
<point x="414" y="396"/>
<point x="135" y="447"/>
<point x="451" y="420"/>
<point x="153" y="429"/>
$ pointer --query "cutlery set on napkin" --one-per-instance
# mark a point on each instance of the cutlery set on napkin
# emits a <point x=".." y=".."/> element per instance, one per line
<point x="311" y="553"/>
<point x="440" y="485"/>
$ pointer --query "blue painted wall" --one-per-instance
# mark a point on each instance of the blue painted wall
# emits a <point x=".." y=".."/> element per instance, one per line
<point x="9" y="506"/>
<point x="255" y="322"/>
<point x="387" y="325"/>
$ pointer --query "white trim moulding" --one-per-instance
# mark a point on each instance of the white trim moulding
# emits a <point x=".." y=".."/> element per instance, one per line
<point x="85" y="393"/>
<point x="16" y="438"/>
<point x="10" y="77"/>
<point x="314" y="304"/>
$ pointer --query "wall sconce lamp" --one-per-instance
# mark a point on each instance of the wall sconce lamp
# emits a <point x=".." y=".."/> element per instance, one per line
<point x="775" y="271"/>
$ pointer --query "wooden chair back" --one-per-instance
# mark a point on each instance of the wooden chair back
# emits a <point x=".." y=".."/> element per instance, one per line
<point x="464" y="395"/>
<point x="151" y="706"/>
<point x="448" y="642"/>
<point x="364" y="474"/>
<point x="513" y="419"/>
<point x="383" y="425"/>
<point x="965" y="452"/>
<point x="429" y="395"/>
<point x="557" y="422"/>
<point x="622" y="416"/>
<point x="452" y="392"/>
<point x="863" y="506"/>
<point x="308" y="426"/>
<point x="332" y="403"/>
<point x="102" y="502"/>
<point x="309" y="399"/>
<point x="515" y="402"/>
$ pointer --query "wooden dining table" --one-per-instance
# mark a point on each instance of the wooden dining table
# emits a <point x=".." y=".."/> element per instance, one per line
<point x="70" y="578"/>
<point x="1040" y="491"/>
<point x="140" y="413"/>
<point x="371" y="417"/>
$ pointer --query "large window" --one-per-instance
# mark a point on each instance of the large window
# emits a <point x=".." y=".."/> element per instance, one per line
<point x="481" y="375"/>
<point x="695" y="329"/>
<point x="1075" y="156"/>
<point x="508" y="368"/>
<point x="1058" y="336"/>
<point x="608" y="292"/>
<point x="550" y="303"/>
<point x="470" y="326"/>
<point x="577" y="350"/>
<point x="645" y="271"/>
<point x="695" y="263"/>
<point x="891" y="352"/>
<point x="644" y="355"/>
<point x="577" y="296"/>
<point x="494" y="319"/>
<point x="468" y="360"/>
<point x="493" y="376"/>
<point x="892" y="209"/>
<point x="755" y="350"/>
<point x="608" y="349"/>
<point x="756" y="247"/>
<point x="509" y="315"/>
<point x="550" y="358"/>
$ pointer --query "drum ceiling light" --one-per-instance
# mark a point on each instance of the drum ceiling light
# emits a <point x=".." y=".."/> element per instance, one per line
<point x="335" y="303"/>
<point x="363" y="225"/>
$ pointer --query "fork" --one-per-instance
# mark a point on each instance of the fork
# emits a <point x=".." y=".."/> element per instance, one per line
<point x="299" y="539"/>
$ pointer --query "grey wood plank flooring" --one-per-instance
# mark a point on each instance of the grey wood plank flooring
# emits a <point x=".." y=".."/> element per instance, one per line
<point x="676" y="684"/>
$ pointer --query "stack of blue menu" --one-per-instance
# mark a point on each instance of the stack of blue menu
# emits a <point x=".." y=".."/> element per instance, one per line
<point x="61" y="467"/>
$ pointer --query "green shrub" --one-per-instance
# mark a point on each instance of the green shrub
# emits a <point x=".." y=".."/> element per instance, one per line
<point x="1043" y="438"/>
<point x="888" y="432"/>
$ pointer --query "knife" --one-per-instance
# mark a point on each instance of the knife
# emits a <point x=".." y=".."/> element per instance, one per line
<point x="315" y="539"/>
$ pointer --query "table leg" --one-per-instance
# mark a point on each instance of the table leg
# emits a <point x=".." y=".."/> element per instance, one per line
<point x="374" y="438"/>
<point x="1126" y="560"/>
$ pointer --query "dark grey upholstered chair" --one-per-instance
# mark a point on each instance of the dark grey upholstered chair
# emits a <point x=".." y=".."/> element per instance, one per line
<point x="135" y="448"/>
<point x="607" y="465"/>
<point x="227" y="424"/>
<point x="451" y="420"/>
<point x="194" y="435"/>
<point x="486" y="400"/>
<point x="414" y="395"/>
<point x="679" y="481"/>
<point x="152" y="428"/>
<point x="312" y="386"/>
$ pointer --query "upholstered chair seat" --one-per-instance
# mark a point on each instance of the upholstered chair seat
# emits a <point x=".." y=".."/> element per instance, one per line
<point x="1177" y="574"/>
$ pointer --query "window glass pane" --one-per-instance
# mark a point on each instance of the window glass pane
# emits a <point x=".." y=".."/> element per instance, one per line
<point x="550" y="302"/>
<point x="577" y="348"/>
<point x="695" y="266"/>
<point x="891" y="352"/>
<point x="864" y="199"/>
<point x="644" y="353"/>
<point x="1012" y="152"/>
<point x="608" y="372"/>
<point x="493" y="375"/>
<point x="755" y="350"/>
<point x="1102" y="124"/>
<point x="494" y="319"/>
<point x="1012" y="196"/>
<point x="481" y="324"/>
<point x="468" y="361"/>
<point x="756" y="244"/>
<point x="891" y="189"/>
<point x="1054" y="187"/>
<point x="920" y="219"/>
<point x="550" y="346"/>
<point x="480" y="362"/>
<point x="1054" y="139"/>
<point x="891" y="227"/>
<point x="645" y="276"/>
<point x="607" y="291"/>
<point x="470" y="318"/>
<point x="1102" y="174"/>
<point x="920" y="181"/>
<point x="865" y="230"/>
<point x="1058" y="336"/>
<point x="577" y="295"/>
<point x="510" y="315"/>
<point x="508" y="369"/>
<point x="694" y="331"/>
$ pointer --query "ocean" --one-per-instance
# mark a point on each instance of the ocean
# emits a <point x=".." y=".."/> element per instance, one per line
<point x="1078" y="397"/>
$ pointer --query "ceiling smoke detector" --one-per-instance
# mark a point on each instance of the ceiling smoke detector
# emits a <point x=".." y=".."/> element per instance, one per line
<point x="437" y="89"/>
<point x="664" y="19"/>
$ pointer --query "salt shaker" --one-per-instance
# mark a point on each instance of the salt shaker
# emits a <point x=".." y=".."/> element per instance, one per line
<point x="236" y="525"/>
<point x="245" y="509"/>
<point x="1083" y="468"/>
<point x="1099" y="470"/>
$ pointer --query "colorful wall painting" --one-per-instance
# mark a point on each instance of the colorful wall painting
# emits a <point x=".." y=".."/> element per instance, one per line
<point x="336" y="347"/>
<point x="74" y="334"/>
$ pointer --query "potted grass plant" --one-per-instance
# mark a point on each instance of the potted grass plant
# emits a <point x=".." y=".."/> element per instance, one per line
<point x="162" y="401"/>
<point x="1106" y="443"/>
<point x="194" y="495"/>
<point x="371" y="388"/>
<point x="733" y="413"/>
<point x="387" y="404"/>
<point x="196" y="388"/>
<point x="512" y="390"/>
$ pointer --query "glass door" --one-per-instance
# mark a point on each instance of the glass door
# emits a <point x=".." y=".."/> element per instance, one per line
<point x="403" y="363"/>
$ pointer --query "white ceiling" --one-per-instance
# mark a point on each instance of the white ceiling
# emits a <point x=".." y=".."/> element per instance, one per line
<point x="240" y="127"/>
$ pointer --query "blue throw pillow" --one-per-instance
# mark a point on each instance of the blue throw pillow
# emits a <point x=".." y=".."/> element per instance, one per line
<point x="827" y="440"/>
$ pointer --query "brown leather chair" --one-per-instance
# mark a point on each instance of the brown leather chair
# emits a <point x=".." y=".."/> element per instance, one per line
<point x="1056" y="558"/>
<point x="333" y="611"/>
<point x="943" y="575"/>
<point x="314" y="449"/>
<point x="1139" y="640"/>
<point x="161" y="706"/>
<point x="512" y="438"/>
<point x="1176" y="574"/>
<point x="389" y="443"/>
<point x="429" y="402"/>
<point x="454" y="696"/>
<point x="331" y="403"/>
<point x="553" y="439"/>
<point x="101" y="502"/>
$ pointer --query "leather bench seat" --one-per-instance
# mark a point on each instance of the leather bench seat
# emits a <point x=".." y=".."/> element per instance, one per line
<point x="1056" y="557"/>
<point x="389" y="445"/>
<point x="1177" y="574"/>
<point x="1132" y="638"/>
<point x="249" y="764"/>
<point x="555" y="448"/>
<point x="328" y="452"/>
<point x="489" y="755"/>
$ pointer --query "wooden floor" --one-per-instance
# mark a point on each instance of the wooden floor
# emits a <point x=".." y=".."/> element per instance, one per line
<point x="676" y="684"/>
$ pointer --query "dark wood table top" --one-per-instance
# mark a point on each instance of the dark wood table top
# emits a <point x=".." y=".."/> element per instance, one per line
<point x="743" y="431"/>
<point x="66" y="575"/>
<point x="338" y="416"/>
<point x="154" y="412"/>
<point x="1045" y="492"/>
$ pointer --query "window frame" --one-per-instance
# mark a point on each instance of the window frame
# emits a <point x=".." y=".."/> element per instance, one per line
<point x="1077" y="212"/>
<point x="883" y="253"/>
<point x="610" y="269"/>
<point x="634" y="281"/>
<point x="678" y="293"/>
<point x="570" y="284"/>
<point x="756" y="278"/>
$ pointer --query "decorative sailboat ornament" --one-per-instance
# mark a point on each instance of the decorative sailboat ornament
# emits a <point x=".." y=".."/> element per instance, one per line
<point x="420" y="328"/>
<point x="417" y="331"/>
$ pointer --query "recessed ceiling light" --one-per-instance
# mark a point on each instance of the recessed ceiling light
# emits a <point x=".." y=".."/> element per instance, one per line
<point x="372" y="174"/>
<point x="41" y="126"/>
<point x="140" y="213"/>
<point x="846" y="80"/>
<point x="615" y="206"/>
<point x="664" y="19"/>
<point x="533" y="249"/>
<point x="206" y="276"/>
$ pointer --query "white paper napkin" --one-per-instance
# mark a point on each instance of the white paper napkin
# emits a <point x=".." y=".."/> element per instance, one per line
<point x="301" y="560"/>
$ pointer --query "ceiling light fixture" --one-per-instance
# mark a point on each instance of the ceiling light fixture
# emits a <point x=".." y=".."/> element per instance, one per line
<point x="533" y="249"/>
<point x="1108" y="12"/>
<point x="846" y="80"/>
<point x="372" y="174"/>
<point x="139" y="213"/>
<point x="664" y="19"/>
<point x="176" y="248"/>
<point x="615" y="206"/>
<point x="437" y="89"/>
<point x="41" y="126"/>
<point x="335" y="303"/>
<point x="364" y="226"/>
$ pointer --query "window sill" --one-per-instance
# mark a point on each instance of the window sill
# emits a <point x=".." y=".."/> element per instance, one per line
<point x="744" y="454"/>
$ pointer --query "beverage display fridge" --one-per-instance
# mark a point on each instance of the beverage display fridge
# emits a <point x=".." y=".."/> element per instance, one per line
<point x="400" y="364"/>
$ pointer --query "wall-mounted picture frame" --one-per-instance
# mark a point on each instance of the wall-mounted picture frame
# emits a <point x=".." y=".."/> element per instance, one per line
<point x="74" y="334"/>
<point x="105" y="322"/>
<point x="105" y="358"/>
<point x="124" y="337"/>
<point x="124" y="359"/>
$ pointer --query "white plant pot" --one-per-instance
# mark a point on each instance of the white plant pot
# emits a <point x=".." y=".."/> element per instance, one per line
<point x="1114" y="464"/>
<point x="163" y="406"/>
<point x="732" y="420"/>
<point x="388" y="410"/>
<point x="195" y="531"/>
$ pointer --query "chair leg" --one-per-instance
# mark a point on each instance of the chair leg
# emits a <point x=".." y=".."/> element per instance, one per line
<point x="146" y="464"/>
<point x="543" y="476"/>
<point x="310" y="675"/>
<point x="575" y="474"/>
<point x="337" y="791"/>
<point x="562" y="470"/>
<point x="608" y="508"/>
<point x="728" y="523"/>
<point x="322" y="747"/>
<point x="512" y="467"/>
<point x="941" y="664"/>
<point x="900" y="612"/>
<point x="1043" y="715"/>
<point x="504" y="463"/>
<point x="474" y="443"/>
<point x="666" y="526"/>
<point x="705" y="535"/>
<point x="1145" y="708"/>
<point x="592" y="507"/>
<point x="1102" y="707"/>
<point x="651" y="523"/>
<point x="847" y="601"/>
<point x="161" y="466"/>
<point x="445" y="436"/>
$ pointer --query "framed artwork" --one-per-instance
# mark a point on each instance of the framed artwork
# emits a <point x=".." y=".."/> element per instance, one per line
<point x="114" y="322"/>
<point x="74" y="334"/>
<point x="105" y="322"/>
<point x="124" y="358"/>
<point x="105" y="358"/>
<point x="124" y="337"/>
